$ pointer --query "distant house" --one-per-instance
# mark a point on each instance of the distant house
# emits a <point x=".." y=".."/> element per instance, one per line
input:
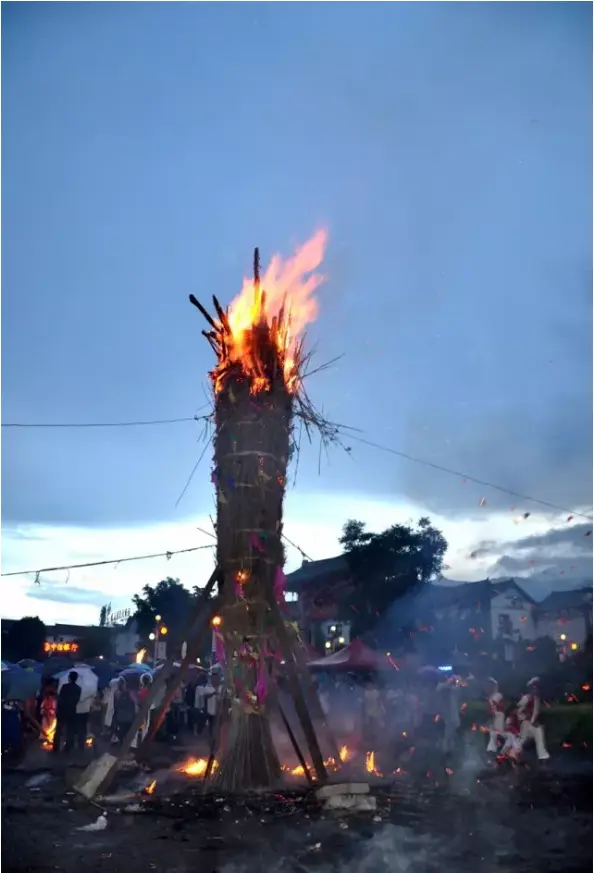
<point x="315" y="595"/>
<point x="487" y="615"/>
<point x="126" y="639"/>
<point x="566" y="617"/>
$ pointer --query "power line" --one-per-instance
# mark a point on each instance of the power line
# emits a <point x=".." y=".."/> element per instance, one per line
<point x="351" y="436"/>
<point x="284" y="536"/>
<point x="468" y="478"/>
<point x="101" y="423"/>
<point x="115" y="561"/>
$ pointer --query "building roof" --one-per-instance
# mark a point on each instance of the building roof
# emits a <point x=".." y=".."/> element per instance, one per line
<point x="470" y="594"/>
<point x="317" y="571"/>
<point x="560" y="600"/>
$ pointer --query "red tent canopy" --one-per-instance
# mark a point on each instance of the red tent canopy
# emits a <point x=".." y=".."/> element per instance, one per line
<point x="355" y="656"/>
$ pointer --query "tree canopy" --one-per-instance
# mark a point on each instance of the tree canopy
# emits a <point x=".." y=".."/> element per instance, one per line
<point x="386" y="566"/>
<point x="25" y="639"/>
<point x="169" y="599"/>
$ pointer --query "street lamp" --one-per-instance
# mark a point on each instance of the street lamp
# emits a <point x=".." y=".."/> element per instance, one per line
<point x="160" y="630"/>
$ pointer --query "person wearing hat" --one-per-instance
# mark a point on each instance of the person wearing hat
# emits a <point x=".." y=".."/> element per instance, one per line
<point x="497" y="710"/>
<point x="529" y="715"/>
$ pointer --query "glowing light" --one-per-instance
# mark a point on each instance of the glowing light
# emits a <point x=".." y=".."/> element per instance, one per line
<point x="563" y="637"/>
<point x="140" y="656"/>
<point x="574" y="647"/>
<point x="195" y="767"/>
<point x="60" y="647"/>
<point x="151" y="637"/>
<point x="217" y="621"/>
<point x="284" y="301"/>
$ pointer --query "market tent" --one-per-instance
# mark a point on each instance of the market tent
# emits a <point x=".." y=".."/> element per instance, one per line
<point x="355" y="656"/>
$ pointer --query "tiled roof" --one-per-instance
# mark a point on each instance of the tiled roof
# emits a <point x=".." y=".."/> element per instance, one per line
<point x="313" y="571"/>
<point x="558" y="600"/>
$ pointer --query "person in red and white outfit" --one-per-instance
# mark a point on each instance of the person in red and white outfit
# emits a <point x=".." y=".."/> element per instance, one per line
<point x="513" y="744"/>
<point x="529" y="716"/>
<point x="497" y="710"/>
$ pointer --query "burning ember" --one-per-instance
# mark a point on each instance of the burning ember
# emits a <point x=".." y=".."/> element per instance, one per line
<point x="47" y="739"/>
<point x="195" y="767"/>
<point x="140" y="655"/>
<point x="270" y="313"/>
<point x="370" y="764"/>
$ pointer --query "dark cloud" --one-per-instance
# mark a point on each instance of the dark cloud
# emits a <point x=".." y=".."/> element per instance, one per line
<point x="575" y="537"/>
<point x="59" y="592"/>
<point x="559" y="558"/>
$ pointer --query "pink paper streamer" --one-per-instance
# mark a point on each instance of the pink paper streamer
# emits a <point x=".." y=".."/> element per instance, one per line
<point x="256" y="543"/>
<point x="280" y="585"/>
<point x="219" y="649"/>
<point x="262" y="683"/>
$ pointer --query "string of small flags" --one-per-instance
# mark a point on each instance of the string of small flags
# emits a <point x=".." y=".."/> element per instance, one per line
<point x="114" y="561"/>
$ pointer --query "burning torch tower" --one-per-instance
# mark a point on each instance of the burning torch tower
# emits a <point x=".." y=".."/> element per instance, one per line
<point x="258" y="391"/>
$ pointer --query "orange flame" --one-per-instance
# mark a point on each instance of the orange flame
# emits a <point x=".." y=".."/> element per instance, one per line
<point x="47" y="739"/>
<point x="343" y="753"/>
<point x="370" y="764"/>
<point x="140" y="656"/>
<point x="150" y="788"/>
<point x="195" y="767"/>
<point x="283" y="300"/>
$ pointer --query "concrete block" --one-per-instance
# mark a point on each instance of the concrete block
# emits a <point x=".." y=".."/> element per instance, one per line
<point x="352" y="802"/>
<point x="94" y="775"/>
<point x="342" y="788"/>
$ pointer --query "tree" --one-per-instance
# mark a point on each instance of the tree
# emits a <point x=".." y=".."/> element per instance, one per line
<point x="103" y="616"/>
<point x="169" y="599"/>
<point x="25" y="639"/>
<point x="386" y="566"/>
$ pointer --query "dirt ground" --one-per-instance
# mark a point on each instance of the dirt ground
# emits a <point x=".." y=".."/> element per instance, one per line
<point x="480" y="820"/>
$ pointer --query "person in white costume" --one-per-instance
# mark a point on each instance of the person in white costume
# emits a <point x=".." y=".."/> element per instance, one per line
<point x="529" y="715"/>
<point x="497" y="710"/>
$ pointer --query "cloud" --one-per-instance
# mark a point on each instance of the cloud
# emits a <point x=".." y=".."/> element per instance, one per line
<point x="576" y="537"/>
<point x="56" y="591"/>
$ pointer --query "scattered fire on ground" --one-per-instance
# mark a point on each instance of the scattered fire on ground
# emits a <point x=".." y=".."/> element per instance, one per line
<point x="370" y="764"/>
<point x="281" y="300"/>
<point x="47" y="738"/>
<point x="198" y="766"/>
<point x="195" y="766"/>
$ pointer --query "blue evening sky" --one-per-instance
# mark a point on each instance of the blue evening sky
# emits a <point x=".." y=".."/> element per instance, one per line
<point x="147" y="147"/>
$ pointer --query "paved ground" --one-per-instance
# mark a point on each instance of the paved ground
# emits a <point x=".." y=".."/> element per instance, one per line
<point x="467" y="818"/>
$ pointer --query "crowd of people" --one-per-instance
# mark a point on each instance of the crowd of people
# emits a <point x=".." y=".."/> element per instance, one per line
<point x="429" y="708"/>
<point x="73" y="709"/>
<point x="363" y="712"/>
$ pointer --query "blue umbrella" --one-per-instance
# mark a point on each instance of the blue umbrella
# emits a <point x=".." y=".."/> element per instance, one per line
<point x="18" y="684"/>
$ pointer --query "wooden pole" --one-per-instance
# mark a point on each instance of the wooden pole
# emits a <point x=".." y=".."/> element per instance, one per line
<point x="296" y="690"/>
<point x="314" y="700"/>
<point x="197" y="635"/>
<point x="294" y="742"/>
<point x="199" y="617"/>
